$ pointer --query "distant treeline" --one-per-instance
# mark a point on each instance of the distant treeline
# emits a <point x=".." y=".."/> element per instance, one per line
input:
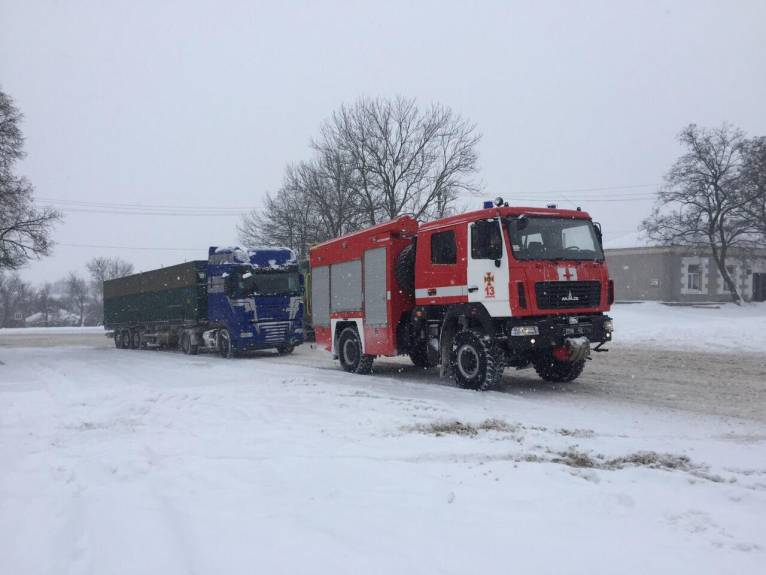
<point x="71" y="301"/>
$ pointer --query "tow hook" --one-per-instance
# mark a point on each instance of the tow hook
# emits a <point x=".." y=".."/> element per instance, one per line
<point x="579" y="348"/>
<point x="598" y="347"/>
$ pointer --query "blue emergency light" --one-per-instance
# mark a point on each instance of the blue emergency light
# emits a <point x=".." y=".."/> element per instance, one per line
<point x="488" y="204"/>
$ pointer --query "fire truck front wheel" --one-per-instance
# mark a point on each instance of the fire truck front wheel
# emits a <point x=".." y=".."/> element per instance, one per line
<point x="550" y="368"/>
<point x="476" y="362"/>
<point x="350" y="353"/>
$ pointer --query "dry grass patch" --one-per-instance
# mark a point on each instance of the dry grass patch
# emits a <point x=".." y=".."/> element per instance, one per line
<point x="455" y="427"/>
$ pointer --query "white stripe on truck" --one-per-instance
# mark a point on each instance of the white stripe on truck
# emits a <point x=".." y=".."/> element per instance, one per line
<point x="445" y="291"/>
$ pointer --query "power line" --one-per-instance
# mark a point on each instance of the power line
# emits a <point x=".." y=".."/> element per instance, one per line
<point x="147" y="213"/>
<point x="604" y="189"/>
<point x="94" y="246"/>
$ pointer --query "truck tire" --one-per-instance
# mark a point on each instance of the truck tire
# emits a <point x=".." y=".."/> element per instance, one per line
<point x="135" y="339"/>
<point x="117" y="339"/>
<point x="423" y="356"/>
<point x="224" y="343"/>
<point x="285" y="349"/>
<point x="350" y="353"/>
<point x="476" y="363"/>
<point x="551" y="369"/>
<point x="125" y="339"/>
<point x="187" y="346"/>
<point x="405" y="269"/>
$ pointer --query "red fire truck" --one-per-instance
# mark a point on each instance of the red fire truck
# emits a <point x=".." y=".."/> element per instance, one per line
<point x="475" y="293"/>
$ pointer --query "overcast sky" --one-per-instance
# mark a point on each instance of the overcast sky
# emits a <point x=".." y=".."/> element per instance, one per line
<point x="202" y="104"/>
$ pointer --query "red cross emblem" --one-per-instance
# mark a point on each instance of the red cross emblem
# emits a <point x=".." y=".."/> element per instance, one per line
<point x="566" y="274"/>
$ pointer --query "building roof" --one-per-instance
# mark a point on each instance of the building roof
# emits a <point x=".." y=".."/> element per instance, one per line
<point x="635" y="239"/>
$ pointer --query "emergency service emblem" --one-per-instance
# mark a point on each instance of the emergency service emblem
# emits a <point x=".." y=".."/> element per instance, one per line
<point x="489" y="284"/>
<point x="567" y="274"/>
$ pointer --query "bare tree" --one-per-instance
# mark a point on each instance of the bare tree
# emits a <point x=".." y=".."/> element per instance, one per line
<point x="703" y="197"/>
<point x="24" y="228"/>
<point x="77" y="296"/>
<point x="45" y="304"/>
<point x="16" y="298"/>
<point x="405" y="160"/>
<point x="286" y="219"/>
<point x="374" y="160"/>
<point x="106" y="268"/>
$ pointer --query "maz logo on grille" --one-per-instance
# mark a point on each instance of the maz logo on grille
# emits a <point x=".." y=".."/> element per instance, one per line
<point x="570" y="297"/>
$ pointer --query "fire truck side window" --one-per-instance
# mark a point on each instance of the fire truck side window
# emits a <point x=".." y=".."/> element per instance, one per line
<point x="486" y="241"/>
<point x="443" y="250"/>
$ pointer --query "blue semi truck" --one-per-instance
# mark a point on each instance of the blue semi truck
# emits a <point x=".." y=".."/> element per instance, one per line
<point x="235" y="301"/>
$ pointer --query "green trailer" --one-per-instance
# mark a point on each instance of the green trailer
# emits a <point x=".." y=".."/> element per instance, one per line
<point x="170" y="297"/>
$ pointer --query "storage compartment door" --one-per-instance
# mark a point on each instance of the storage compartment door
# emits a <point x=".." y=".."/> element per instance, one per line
<point x="375" y="292"/>
<point x="320" y="296"/>
<point x="346" y="286"/>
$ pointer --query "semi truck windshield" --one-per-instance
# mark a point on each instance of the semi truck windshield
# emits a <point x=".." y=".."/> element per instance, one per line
<point x="265" y="283"/>
<point x="544" y="238"/>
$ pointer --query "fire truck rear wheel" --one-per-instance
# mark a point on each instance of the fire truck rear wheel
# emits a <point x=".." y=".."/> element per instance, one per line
<point x="476" y="362"/>
<point x="350" y="353"/>
<point x="554" y="370"/>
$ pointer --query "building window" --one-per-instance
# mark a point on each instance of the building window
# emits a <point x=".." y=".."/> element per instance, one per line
<point x="443" y="249"/>
<point x="693" y="277"/>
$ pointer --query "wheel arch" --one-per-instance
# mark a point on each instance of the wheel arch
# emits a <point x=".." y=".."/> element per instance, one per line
<point x="337" y="327"/>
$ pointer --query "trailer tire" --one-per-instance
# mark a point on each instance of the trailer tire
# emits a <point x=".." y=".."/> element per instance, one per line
<point x="187" y="346"/>
<point x="224" y="343"/>
<point x="125" y="339"/>
<point x="405" y="269"/>
<point x="135" y="339"/>
<point x="117" y="339"/>
<point x="423" y="356"/>
<point x="554" y="370"/>
<point x="350" y="353"/>
<point x="476" y="362"/>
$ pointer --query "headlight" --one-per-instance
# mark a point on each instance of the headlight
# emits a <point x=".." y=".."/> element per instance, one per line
<point x="525" y="330"/>
<point x="608" y="325"/>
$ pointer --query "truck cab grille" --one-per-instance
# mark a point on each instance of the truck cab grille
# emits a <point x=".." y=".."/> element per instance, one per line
<point x="275" y="331"/>
<point x="564" y="295"/>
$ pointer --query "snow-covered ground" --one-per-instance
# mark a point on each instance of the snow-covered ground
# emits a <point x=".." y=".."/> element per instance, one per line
<point x="726" y="329"/>
<point x="118" y="461"/>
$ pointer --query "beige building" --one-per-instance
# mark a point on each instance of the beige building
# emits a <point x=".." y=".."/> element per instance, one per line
<point x="683" y="274"/>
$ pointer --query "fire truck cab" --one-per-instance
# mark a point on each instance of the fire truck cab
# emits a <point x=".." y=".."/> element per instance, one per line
<point x="474" y="293"/>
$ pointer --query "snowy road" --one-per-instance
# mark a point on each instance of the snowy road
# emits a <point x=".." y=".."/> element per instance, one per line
<point x="117" y="461"/>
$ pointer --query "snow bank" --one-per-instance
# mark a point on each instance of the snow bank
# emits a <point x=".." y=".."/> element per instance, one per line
<point x="727" y="329"/>
<point x="118" y="461"/>
<point x="51" y="330"/>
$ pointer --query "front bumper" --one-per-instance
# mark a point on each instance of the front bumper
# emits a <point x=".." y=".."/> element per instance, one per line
<point x="555" y="330"/>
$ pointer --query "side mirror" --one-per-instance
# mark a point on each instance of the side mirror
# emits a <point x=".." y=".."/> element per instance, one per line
<point x="599" y="234"/>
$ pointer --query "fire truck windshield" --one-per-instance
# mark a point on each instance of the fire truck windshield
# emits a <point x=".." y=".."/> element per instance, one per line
<point x="545" y="238"/>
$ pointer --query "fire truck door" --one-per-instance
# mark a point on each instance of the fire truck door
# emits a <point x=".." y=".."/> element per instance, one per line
<point x="488" y="275"/>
